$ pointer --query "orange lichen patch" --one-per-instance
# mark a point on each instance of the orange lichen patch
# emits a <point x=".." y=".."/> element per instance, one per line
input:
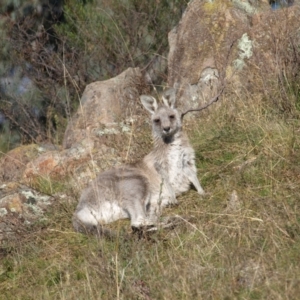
<point x="43" y="165"/>
<point x="46" y="165"/>
<point x="56" y="165"/>
<point x="15" y="203"/>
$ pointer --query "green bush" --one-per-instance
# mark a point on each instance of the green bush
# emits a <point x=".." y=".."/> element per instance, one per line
<point x="115" y="35"/>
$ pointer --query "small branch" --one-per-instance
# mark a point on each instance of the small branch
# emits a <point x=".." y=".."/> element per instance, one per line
<point x="213" y="100"/>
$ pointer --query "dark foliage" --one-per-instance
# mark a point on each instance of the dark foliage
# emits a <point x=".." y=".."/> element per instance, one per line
<point x="57" y="47"/>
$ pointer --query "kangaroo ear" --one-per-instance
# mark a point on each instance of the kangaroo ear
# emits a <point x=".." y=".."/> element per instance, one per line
<point x="169" y="97"/>
<point x="149" y="103"/>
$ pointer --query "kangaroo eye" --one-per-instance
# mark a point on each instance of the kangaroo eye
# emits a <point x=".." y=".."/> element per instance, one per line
<point x="172" y="117"/>
<point x="156" y="121"/>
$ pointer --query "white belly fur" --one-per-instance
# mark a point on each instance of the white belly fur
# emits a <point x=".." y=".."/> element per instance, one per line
<point x="107" y="212"/>
<point x="177" y="159"/>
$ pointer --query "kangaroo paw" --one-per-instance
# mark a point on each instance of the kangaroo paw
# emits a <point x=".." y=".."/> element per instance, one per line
<point x="143" y="231"/>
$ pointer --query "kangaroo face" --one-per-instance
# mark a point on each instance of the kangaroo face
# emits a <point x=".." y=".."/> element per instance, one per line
<point x="165" y="121"/>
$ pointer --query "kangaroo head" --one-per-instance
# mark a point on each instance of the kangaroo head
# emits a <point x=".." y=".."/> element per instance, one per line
<point x="165" y="117"/>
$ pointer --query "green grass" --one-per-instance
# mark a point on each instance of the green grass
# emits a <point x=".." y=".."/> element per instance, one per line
<point x="227" y="247"/>
<point x="48" y="185"/>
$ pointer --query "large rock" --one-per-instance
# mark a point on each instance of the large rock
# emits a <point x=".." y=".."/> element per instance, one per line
<point x="250" y="45"/>
<point x="106" y="107"/>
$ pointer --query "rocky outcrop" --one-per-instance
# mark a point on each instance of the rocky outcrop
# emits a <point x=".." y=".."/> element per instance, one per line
<point x="246" y="44"/>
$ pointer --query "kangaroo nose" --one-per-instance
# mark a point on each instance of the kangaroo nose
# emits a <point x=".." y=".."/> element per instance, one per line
<point x="167" y="129"/>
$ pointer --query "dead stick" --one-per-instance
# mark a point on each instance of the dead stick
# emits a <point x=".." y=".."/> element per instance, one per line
<point x="214" y="99"/>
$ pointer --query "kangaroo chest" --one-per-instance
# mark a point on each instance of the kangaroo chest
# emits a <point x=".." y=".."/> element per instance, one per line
<point x="178" y="159"/>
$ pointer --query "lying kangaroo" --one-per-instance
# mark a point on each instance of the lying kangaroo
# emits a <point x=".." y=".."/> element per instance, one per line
<point x="139" y="191"/>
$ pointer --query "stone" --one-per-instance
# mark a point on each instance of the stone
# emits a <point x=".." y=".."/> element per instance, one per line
<point x="106" y="107"/>
<point x="245" y="42"/>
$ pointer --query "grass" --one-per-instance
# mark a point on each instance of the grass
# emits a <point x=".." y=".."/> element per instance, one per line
<point x="241" y="241"/>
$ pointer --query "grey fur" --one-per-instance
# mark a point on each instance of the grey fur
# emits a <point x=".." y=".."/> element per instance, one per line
<point x="139" y="191"/>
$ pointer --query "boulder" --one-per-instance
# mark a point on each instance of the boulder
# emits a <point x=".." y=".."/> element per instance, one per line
<point x="245" y="42"/>
<point x="96" y="138"/>
<point x="106" y="107"/>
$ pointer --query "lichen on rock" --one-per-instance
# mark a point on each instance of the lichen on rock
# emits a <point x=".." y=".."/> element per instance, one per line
<point x="245" y="47"/>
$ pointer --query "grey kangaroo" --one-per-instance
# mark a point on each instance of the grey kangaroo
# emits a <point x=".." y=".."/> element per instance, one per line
<point x="139" y="191"/>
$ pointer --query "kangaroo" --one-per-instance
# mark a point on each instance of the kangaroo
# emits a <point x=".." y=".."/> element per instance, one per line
<point x="139" y="191"/>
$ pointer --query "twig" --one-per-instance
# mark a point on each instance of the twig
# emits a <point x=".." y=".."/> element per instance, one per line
<point x="214" y="99"/>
